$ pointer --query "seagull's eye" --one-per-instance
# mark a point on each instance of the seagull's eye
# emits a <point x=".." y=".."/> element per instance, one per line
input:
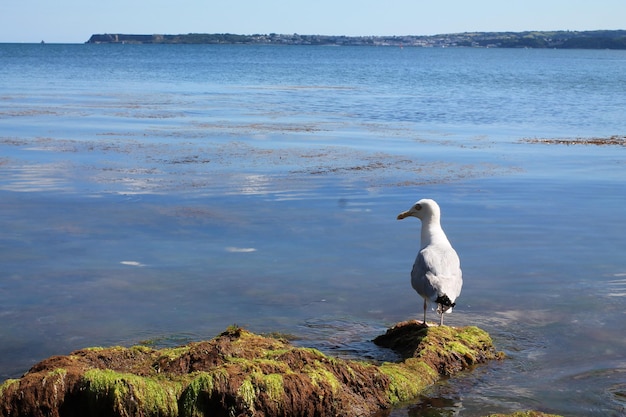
<point x="418" y="207"/>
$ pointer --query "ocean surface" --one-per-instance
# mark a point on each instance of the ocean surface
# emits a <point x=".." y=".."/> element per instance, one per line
<point x="157" y="194"/>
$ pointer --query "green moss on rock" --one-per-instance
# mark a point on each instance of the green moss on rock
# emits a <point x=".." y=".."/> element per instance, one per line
<point x="407" y="379"/>
<point x="446" y="349"/>
<point x="194" y="395"/>
<point x="8" y="386"/>
<point x="127" y="393"/>
<point x="240" y="373"/>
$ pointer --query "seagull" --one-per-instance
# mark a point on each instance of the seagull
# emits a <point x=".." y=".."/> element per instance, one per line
<point x="436" y="274"/>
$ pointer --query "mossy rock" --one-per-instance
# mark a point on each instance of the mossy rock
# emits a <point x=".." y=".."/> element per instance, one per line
<point x="447" y="350"/>
<point x="240" y="373"/>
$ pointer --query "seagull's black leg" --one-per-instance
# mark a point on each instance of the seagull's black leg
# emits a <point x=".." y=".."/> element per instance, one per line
<point x="425" y="306"/>
<point x="441" y="317"/>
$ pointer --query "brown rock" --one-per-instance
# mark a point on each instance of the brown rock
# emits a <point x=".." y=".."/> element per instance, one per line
<point x="240" y="374"/>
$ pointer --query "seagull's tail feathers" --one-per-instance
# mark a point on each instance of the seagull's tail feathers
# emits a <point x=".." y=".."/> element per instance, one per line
<point x="444" y="304"/>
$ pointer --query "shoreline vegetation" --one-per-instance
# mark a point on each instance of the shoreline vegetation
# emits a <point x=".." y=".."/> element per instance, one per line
<point x="598" y="39"/>
<point x="242" y="373"/>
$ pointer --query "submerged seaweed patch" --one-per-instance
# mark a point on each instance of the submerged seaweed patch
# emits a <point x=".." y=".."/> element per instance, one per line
<point x="612" y="140"/>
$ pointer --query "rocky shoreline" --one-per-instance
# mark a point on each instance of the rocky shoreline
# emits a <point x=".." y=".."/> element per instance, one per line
<point x="240" y="373"/>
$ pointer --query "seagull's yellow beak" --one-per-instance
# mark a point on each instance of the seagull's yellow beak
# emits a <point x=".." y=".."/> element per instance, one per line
<point x="403" y="215"/>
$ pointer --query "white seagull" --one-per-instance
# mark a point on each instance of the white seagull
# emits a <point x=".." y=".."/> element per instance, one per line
<point x="436" y="274"/>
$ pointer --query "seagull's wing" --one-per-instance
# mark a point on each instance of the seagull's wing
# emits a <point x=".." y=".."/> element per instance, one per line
<point x="421" y="277"/>
<point x="436" y="272"/>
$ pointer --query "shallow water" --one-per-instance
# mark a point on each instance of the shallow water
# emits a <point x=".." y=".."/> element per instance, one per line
<point x="249" y="186"/>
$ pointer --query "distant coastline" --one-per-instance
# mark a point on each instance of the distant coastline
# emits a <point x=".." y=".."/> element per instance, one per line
<point x="599" y="39"/>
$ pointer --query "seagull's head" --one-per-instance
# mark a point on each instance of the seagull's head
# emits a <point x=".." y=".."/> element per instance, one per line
<point x="423" y="209"/>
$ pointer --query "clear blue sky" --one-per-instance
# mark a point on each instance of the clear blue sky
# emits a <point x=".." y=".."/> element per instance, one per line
<point x="74" y="21"/>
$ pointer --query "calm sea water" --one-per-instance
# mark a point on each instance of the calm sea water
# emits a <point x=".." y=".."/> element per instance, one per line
<point x="158" y="194"/>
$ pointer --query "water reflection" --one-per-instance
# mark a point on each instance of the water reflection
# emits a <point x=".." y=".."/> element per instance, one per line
<point x="37" y="177"/>
<point x="132" y="263"/>
<point x="233" y="249"/>
<point x="252" y="184"/>
<point x="617" y="287"/>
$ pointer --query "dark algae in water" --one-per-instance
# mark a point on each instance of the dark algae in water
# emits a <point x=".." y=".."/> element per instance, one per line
<point x="240" y="373"/>
<point x="524" y="414"/>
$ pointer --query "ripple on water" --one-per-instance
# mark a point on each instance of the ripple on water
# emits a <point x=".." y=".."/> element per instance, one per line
<point x="345" y="338"/>
<point x="595" y="391"/>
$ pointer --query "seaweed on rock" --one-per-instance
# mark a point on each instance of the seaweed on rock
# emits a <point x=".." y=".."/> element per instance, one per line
<point x="242" y="374"/>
